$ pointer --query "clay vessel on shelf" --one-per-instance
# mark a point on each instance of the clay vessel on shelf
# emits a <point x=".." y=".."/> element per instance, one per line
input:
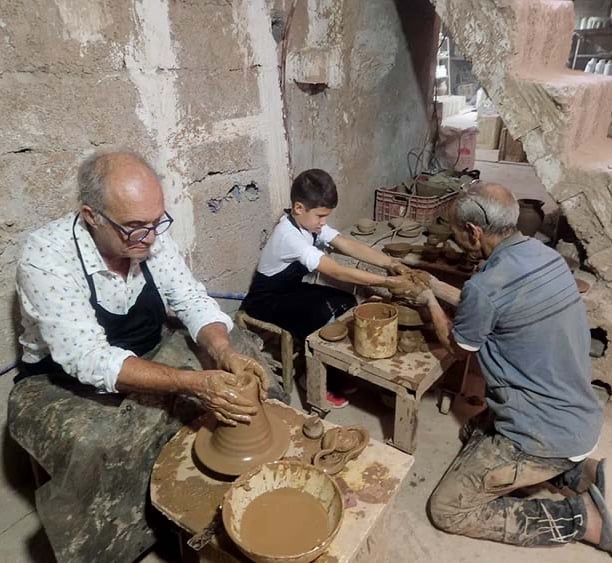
<point x="232" y="450"/>
<point x="531" y="216"/>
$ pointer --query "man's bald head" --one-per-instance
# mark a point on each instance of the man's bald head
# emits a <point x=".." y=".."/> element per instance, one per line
<point x="492" y="207"/>
<point x="105" y="175"/>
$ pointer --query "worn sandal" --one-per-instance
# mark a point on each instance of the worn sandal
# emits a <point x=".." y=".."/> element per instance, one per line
<point x="605" y="543"/>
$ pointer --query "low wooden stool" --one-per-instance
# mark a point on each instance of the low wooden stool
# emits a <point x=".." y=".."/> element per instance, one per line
<point x="286" y="343"/>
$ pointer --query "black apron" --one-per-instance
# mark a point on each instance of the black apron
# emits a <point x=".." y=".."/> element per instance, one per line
<point x="139" y="330"/>
<point x="286" y="301"/>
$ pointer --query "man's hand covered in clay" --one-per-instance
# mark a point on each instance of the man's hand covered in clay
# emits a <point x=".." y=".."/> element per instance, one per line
<point x="236" y="363"/>
<point x="216" y="389"/>
<point x="412" y="285"/>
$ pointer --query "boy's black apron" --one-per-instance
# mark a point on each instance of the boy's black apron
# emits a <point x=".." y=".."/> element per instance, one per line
<point x="286" y="301"/>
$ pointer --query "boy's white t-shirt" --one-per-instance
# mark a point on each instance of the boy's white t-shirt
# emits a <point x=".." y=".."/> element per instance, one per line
<point x="288" y="244"/>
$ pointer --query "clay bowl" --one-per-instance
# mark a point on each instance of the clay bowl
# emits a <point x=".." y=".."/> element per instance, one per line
<point x="334" y="332"/>
<point x="397" y="249"/>
<point x="271" y="477"/>
<point x="407" y="316"/>
<point x="366" y="226"/>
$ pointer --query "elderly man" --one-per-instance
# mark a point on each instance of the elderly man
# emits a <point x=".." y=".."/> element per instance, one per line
<point x="521" y="314"/>
<point x="94" y="288"/>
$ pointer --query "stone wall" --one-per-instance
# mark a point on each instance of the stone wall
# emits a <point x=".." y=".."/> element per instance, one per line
<point x="355" y="104"/>
<point x="561" y="117"/>
<point x="195" y="86"/>
<point x="192" y="85"/>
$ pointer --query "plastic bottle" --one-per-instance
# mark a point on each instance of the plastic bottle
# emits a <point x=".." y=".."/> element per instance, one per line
<point x="590" y="67"/>
<point x="608" y="69"/>
<point x="599" y="67"/>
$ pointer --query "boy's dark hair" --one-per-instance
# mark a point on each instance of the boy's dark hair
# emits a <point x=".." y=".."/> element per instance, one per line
<point x="314" y="188"/>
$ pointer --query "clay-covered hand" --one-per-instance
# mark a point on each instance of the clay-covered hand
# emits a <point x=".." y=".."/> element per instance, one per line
<point x="236" y="363"/>
<point x="396" y="268"/>
<point x="216" y="389"/>
<point x="410" y="285"/>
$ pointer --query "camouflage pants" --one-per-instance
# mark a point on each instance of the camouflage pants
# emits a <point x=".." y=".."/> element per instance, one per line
<point x="476" y="496"/>
<point x="99" y="451"/>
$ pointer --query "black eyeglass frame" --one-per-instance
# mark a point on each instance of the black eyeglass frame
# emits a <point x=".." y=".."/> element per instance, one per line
<point x="486" y="217"/>
<point x="165" y="224"/>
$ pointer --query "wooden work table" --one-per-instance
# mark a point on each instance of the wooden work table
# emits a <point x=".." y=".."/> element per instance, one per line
<point x="190" y="497"/>
<point x="407" y="375"/>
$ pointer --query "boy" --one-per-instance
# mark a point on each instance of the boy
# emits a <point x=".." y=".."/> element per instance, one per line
<point x="277" y="293"/>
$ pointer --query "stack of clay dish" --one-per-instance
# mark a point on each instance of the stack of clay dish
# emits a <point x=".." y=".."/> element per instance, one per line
<point x="334" y="332"/>
<point x="397" y="249"/>
<point x="232" y="450"/>
<point x="365" y="226"/>
<point x="375" y="330"/>
<point x="285" y="511"/>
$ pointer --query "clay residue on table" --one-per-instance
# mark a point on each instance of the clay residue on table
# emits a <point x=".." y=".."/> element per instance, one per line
<point x="183" y="492"/>
<point x="374" y="487"/>
<point x="326" y="559"/>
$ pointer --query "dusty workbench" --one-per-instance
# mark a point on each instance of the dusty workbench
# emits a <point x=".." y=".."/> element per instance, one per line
<point x="190" y="497"/>
<point x="407" y="375"/>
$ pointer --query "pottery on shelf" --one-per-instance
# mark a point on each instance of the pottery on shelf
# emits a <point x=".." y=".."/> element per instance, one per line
<point x="531" y="216"/>
<point x="232" y="450"/>
<point x="366" y="226"/>
<point x="397" y="249"/>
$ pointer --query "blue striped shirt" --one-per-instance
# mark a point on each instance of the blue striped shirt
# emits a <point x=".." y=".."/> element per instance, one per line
<point x="524" y="315"/>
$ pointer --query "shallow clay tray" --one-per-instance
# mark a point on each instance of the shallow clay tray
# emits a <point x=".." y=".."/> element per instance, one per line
<point x="334" y="332"/>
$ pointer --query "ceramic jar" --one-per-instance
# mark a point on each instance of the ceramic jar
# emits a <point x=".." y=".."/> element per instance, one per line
<point x="531" y="216"/>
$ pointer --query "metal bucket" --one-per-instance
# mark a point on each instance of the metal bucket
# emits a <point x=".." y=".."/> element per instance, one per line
<point x="375" y="333"/>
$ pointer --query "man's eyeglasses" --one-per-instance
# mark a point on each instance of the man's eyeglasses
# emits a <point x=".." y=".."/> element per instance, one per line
<point x="486" y="217"/>
<point x="140" y="233"/>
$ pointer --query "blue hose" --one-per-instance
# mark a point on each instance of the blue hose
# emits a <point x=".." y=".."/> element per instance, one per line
<point x="7" y="368"/>
<point x="220" y="295"/>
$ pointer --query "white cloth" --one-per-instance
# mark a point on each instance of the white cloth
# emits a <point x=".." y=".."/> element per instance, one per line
<point x="288" y="244"/>
<point x="54" y="296"/>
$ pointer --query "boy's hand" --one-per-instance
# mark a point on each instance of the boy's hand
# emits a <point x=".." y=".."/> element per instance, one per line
<point x="397" y="268"/>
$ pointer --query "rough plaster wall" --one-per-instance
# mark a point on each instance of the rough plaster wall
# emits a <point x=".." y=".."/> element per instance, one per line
<point x="361" y="127"/>
<point x="561" y="116"/>
<point x="193" y="85"/>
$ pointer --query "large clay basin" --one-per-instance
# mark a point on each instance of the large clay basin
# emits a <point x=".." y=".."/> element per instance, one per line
<point x="272" y="477"/>
<point x="232" y="450"/>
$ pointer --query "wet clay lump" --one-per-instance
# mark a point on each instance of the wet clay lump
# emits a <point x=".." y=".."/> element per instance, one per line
<point x="284" y="522"/>
<point x="231" y="450"/>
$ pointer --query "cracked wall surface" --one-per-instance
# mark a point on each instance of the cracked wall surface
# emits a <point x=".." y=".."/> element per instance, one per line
<point x="355" y="104"/>
<point x="194" y="85"/>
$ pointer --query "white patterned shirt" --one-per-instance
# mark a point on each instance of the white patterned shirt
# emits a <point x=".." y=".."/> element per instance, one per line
<point x="58" y="318"/>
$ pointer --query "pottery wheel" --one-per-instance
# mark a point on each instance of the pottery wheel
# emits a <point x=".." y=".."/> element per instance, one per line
<point x="235" y="466"/>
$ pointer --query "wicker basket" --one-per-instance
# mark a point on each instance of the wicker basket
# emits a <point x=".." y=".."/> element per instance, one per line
<point x="390" y="203"/>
